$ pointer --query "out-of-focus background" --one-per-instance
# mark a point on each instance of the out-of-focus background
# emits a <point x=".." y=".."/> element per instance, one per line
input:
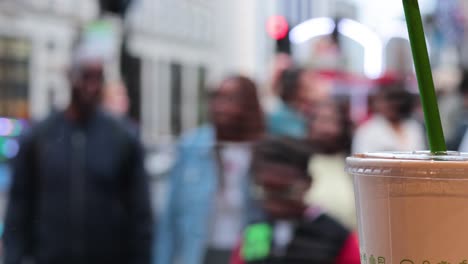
<point x="168" y="55"/>
<point x="168" y="52"/>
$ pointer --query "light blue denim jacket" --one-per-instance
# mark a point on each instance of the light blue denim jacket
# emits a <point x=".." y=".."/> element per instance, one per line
<point x="183" y="227"/>
<point x="285" y="121"/>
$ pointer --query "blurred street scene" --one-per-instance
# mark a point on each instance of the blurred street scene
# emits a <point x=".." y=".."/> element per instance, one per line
<point x="178" y="131"/>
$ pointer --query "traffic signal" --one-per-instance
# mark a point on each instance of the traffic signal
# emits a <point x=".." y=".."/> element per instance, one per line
<point x="277" y="28"/>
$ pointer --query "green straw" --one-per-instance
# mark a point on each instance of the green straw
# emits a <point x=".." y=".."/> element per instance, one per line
<point x="422" y="65"/>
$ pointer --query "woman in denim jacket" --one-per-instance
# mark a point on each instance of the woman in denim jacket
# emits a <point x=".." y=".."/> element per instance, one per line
<point x="207" y="200"/>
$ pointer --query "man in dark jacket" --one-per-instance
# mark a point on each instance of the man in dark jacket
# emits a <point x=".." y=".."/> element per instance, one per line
<point x="79" y="193"/>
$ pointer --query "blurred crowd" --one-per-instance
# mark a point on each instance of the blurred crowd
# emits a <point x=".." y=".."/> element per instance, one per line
<point x="263" y="181"/>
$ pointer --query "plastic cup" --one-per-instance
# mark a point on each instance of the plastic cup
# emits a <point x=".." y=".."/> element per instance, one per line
<point x="412" y="208"/>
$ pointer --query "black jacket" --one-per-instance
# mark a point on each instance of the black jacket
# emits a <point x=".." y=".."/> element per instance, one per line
<point x="79" y="195"/>
<point x="317" y="241"/>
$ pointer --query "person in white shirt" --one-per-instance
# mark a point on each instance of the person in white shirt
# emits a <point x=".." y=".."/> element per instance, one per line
<point x="390" y="128"/>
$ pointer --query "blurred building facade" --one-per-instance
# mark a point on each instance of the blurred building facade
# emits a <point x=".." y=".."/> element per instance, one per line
<point x="297" y="11"/>
<point x="183" y="47"/>
<point x="168" y="51"/>
<point x="36" y="38"/>
<point x="172" y="51"/>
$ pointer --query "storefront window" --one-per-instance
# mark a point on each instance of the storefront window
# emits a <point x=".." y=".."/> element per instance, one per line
<point x="14" y="77"/>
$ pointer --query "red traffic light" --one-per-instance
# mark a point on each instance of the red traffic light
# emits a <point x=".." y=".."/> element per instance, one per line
<point x="277" y="27"/>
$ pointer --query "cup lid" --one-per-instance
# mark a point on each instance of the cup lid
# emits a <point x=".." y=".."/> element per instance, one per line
<point x="415" y="155"/>
<point x="417" y="164"/>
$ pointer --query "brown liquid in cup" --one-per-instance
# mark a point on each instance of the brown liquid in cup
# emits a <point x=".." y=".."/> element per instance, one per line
<point x="414" y="218"/>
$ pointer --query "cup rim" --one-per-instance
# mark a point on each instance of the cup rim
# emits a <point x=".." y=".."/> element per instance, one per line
<point x="414" y="155"/>
<point x="417" y="164"/>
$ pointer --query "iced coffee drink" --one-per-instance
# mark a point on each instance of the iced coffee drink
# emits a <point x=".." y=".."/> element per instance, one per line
<point x="412" y="207"/>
